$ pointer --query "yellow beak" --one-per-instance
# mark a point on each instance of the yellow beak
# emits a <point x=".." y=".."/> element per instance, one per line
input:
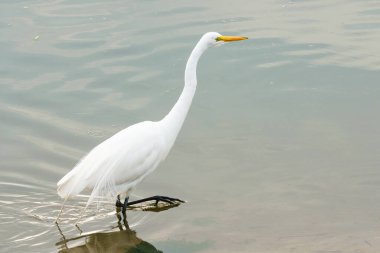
<point x="230" y="38"/>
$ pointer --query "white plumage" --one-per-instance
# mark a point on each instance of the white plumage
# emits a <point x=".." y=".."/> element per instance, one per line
<point x="107" y="169"/>
<point x="119" y="163"/>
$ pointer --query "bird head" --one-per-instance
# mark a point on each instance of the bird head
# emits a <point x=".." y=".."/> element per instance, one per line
<point x="216" y="39"/>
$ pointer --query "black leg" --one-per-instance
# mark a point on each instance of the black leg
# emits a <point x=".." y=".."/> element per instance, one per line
<point x="157" y="199"/>
<point x="118" y="202"/>
<point x="125" y="205"/>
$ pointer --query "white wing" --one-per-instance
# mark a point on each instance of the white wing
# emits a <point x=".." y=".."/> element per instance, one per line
<point x="116" y="165"/>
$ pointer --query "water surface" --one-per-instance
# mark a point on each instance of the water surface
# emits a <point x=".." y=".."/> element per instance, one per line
<point x="280" y="150"/>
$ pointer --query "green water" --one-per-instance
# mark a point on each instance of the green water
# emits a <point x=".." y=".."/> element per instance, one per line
<point x="280" y="150"/>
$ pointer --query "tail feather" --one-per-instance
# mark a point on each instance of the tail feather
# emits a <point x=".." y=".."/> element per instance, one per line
<point x="70" y="184"/>
<point x="102" y="183"/>
<point x="66" y="186"/>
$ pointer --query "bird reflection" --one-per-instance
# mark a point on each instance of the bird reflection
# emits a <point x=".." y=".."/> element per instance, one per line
<point x="125" y="240"/>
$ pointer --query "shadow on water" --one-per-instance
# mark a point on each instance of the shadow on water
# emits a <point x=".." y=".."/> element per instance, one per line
<point x="123" y="239"/>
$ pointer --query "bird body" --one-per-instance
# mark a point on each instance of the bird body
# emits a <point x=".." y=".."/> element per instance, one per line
<point x="119" y="163"/>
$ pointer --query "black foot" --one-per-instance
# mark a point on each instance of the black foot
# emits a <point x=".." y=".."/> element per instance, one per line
<point x="157" y="199"/>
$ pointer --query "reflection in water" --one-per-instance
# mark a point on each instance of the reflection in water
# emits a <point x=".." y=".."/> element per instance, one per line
<point x="124" y="240"/>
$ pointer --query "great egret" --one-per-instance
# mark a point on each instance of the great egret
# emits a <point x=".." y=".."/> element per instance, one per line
<point x="118" y="164"/>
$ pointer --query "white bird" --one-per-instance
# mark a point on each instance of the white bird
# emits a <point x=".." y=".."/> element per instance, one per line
<point x="118" y="164"/>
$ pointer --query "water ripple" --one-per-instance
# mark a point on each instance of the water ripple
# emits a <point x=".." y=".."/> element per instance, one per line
<point x="272" y="119"/>
<point x="36" y="211"/>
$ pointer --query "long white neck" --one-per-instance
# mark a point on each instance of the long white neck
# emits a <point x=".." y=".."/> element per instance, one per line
<point x="172" y="122"/>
